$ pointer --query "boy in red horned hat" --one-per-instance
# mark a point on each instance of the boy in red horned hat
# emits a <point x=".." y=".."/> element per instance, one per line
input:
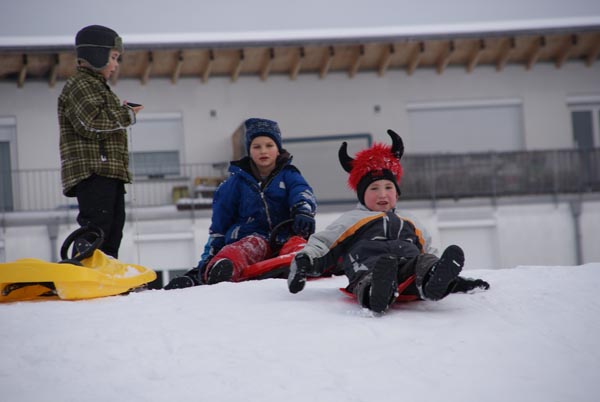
<point x="384" y="255"/>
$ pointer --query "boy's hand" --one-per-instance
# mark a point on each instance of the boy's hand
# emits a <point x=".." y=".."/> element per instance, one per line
<point x="136" y="107"/>
<point x="304" y="225"/>
<point x="465" y="285"/>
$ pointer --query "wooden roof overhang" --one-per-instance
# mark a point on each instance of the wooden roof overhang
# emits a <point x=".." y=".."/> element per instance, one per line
<point x="320" y="57"/>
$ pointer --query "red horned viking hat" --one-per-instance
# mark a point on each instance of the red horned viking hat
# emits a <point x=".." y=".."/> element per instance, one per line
<point x="376" y="163"/>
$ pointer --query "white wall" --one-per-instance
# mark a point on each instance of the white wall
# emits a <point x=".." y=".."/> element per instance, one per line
<point x="310" y="106"/>
<point x="525" y="235"/>
<point x="503" y="236"/>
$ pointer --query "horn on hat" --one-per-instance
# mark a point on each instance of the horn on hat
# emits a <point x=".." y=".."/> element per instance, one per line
<point x="397" y="144"/>
<point x="345" y="159"/>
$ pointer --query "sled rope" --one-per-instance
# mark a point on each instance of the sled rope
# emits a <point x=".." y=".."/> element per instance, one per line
<point x="136" y="233"/>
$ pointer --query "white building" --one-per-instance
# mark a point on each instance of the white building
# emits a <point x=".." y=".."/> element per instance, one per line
<point x="477" y="88"/>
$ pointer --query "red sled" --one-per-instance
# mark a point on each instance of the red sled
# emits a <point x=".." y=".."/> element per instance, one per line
<point x="275" y="267"/>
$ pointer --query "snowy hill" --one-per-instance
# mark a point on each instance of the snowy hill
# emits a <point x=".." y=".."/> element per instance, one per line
<point x="534" y="336"/>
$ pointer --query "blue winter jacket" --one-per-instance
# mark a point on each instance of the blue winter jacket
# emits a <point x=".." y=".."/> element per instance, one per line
<point x="242" y="205"/>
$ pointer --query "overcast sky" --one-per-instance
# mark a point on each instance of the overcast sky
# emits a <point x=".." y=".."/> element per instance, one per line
<point x="58" y="20"/>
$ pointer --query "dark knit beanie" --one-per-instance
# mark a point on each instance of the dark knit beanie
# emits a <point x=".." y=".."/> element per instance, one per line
<point x="255" y="127"/>
<point x="372" y="176"/>
<point x="94" y="43"/>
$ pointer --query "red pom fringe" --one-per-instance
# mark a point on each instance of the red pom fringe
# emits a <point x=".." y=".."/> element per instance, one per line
<point x="378" y="157"/>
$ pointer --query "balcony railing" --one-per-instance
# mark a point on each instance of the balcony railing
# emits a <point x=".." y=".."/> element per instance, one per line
<point x="41" y="189"/>
<point x="501" y="174"/>
<point x="426" y="177"/>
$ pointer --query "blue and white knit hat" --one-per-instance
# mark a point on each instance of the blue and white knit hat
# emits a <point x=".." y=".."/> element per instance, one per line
<point x="255" y="127"/>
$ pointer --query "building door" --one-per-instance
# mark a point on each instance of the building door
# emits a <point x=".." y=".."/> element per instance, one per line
<point x="585" y="120"/>
<point x="583" y="128"/>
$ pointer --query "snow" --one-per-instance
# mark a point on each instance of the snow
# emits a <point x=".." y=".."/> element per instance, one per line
<point x="532" y="337"/>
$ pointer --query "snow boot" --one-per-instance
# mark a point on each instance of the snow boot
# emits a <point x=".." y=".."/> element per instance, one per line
<point x="384" y="283"/>
<point x="297" y="275"/>
<point x="221" y="271"/>
<point x="443" y="273"/>
<point x="187" y="280"/>
<point x="376" y="290"/>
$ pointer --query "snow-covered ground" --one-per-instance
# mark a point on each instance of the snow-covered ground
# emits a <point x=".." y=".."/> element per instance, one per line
<point x="534" y="336"/>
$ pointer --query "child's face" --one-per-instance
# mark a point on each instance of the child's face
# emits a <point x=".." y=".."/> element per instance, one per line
<point x="263" y="151"/>
<point x="381" y="196"/>
<point x="113" y="64"/>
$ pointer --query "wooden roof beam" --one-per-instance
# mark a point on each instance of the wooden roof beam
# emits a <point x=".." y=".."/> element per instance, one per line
<point x="505" y="52"/>
<point x="266" y="67"/>
<point x="565" y="49"/>
<point x="475" y="54"/>
<point x="386" y="58"/>
<point x="297" y="64"/>
<point x="53" y="71"/>
<point x="593" y="54"/>
<point x="415" y="57"/>
<point x="445" y="57"/>
<point x="23" y="71"/>
<point x="357" y="60"/>
<point x="329" y="53"/>
<point x="238" y="67"/>
<point x="534" y="52"/>
<point x="146" y="75"/>
<point x="209" y="64"/>
<point x="177" y="71"/>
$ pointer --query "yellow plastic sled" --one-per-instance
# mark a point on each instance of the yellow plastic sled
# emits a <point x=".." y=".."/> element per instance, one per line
<point x="97" y="276"/>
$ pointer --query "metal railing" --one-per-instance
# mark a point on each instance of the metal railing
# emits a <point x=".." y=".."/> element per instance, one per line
<point x="41" y="189"/>
<point x="426" y="177"/>
<point x="502" y="174"/>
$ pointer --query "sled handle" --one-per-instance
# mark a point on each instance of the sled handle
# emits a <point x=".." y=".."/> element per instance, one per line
<point x="84" y="249"/>
<point x="273" y="245"/>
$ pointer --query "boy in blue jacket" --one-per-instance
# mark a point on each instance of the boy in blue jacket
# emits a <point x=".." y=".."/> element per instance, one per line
<point x="263" y="190"/>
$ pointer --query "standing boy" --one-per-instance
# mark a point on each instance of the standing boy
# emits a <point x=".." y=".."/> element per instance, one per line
<point x="93" y="136"/>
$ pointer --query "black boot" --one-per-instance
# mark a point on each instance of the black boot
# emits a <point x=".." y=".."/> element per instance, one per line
<point x="187" y="280"/>
<point x="298" y="270"/>
<point x="221" y="271"/>
<point x="443" y="273"/>
<point x="376" y="290"/>
<point x="384" y="283"/>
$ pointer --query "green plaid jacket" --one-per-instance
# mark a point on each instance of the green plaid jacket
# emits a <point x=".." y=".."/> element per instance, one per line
<point x="93" y="135"/>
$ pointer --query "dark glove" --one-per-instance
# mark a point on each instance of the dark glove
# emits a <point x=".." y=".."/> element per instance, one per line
<point x="215" y="244"/>
<point x="298" y="270"/>
<point x="464" y="285"/>
<point x="304" y="225"/>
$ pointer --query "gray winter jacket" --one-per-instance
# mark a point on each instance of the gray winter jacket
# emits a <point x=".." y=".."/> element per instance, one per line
<point x="355" y="240"/>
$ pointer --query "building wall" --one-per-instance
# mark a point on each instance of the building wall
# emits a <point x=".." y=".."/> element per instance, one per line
<point x="309" y="106"/>
<point x="503" y="236"/>
<point x="493" y="237"/>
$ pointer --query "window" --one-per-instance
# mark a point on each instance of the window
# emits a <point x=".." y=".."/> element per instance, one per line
<point x="316" y="157"/>
<point x="463" y="127"/>
<point x="156" y="145"/>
